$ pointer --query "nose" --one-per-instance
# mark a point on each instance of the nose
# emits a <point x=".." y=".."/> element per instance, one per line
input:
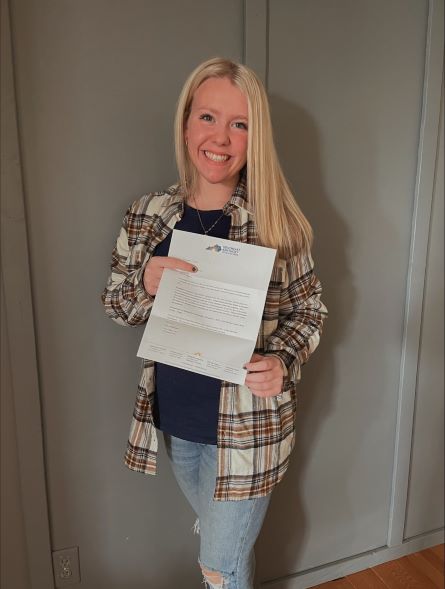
<point x="221" y="135"/>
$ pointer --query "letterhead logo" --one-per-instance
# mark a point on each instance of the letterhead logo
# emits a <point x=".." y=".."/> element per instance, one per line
<point x="228" y="250"/>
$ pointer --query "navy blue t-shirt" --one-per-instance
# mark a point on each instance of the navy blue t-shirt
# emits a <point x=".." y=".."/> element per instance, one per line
<point x="186" y="403"/>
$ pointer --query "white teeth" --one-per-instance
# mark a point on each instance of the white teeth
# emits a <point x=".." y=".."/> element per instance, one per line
<point x="215" y="157"/>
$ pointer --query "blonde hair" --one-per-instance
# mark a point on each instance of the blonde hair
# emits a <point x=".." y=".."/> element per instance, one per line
<point x="279" y="221"/>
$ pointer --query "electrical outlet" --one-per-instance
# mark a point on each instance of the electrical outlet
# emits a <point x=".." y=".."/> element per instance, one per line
<point x="66" y="567"/>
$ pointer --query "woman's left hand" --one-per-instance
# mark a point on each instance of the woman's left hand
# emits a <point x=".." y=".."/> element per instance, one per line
<point x="265" y="377"/>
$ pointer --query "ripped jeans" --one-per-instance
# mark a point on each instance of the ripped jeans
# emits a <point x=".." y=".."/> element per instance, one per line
<point x="228" y="529"/>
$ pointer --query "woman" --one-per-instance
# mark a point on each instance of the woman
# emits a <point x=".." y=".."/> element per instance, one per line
<point x="228" y="444"/>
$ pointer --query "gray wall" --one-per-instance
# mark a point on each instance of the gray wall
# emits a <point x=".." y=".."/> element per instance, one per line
<point x="96" y="85"/>
<point x="13" y="570"/>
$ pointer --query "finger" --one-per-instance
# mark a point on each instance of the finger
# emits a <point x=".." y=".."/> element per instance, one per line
<point x="153" y="284"/>
<point x="256" y="377"/>
<point x="271" y="393"/>
<point x="266" y="390"/>
<point x="265" y="384"/>
<point x="261" y="365"/>
<point x="152" y="278"/>
<point x="177" y="264"/>
<point x="151" y="289"/>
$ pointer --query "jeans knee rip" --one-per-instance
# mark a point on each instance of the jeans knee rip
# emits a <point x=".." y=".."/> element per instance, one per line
<point x="211" y="584"/>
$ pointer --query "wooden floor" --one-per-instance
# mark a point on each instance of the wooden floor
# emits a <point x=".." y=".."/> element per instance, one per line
<point x="422" y="570"/>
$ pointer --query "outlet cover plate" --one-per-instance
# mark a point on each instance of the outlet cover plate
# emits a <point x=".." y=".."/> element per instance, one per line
<point x="66" y="567"/>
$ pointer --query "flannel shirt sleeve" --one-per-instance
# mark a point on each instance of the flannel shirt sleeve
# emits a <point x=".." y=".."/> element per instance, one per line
<point x="301" y="317"/>
<point x="125" y="299"/>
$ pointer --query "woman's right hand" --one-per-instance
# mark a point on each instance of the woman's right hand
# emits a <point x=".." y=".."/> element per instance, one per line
<point x="155" y="267"/>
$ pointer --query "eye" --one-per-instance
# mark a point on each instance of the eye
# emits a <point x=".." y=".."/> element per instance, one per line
<point x="206" y="117"/>
<point x="240" y="125"/>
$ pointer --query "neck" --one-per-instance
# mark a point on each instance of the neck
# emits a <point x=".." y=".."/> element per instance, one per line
<point x="208" y="197"/>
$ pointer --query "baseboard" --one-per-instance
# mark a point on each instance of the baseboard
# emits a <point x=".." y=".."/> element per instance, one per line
<point x="357" y="563"/>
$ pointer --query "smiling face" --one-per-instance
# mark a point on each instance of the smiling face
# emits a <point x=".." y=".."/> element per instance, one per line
<point x="216" y="133"/>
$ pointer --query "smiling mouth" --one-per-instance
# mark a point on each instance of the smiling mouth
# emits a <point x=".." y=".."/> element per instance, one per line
<point x="215" y="157"/>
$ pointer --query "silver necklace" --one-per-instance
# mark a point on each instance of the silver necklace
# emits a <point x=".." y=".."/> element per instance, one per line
<point x="206" y="231"/>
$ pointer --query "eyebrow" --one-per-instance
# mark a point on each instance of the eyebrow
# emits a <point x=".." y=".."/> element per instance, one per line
<point x="217" y="112"/>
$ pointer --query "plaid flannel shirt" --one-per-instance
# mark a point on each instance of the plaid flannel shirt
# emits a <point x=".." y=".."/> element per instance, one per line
<point x="255" y="434"/>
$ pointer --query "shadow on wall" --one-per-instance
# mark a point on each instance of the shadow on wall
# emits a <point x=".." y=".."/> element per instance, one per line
<point x="298" y="144"/>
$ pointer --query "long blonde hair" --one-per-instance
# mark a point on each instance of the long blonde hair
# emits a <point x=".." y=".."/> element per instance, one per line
<point x="279" y="220"/>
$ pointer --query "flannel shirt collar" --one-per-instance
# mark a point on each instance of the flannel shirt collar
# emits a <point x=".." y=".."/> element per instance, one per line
<point x="239" y="198"/>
